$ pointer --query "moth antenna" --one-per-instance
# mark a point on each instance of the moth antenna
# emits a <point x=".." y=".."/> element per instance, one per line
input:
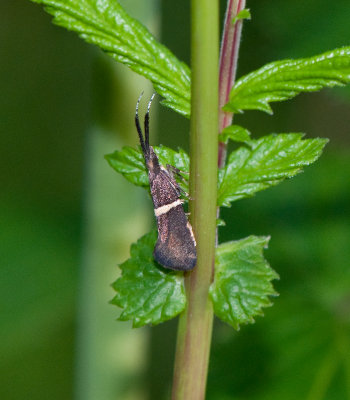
<point x="138" y="126"/>
<point x="147" y="122"/>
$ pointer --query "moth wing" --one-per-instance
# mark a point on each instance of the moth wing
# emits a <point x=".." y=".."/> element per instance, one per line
<point x="164" y="189"/>
<point x="176" y="246"/>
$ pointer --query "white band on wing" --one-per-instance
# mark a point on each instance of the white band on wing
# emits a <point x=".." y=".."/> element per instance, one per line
<point x="166" y="208"/>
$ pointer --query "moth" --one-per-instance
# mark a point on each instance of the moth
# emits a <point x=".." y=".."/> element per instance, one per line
<point x="176" y="245"/>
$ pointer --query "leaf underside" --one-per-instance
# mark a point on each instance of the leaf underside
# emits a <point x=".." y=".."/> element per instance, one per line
<point x="282" y="80"/>
<point x="148" y="293"/>
<point x="107" y="25"/>
<point x="242" y="284"/>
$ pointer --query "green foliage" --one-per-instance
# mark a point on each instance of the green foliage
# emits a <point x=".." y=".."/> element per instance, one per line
<point x="130" y="163"/>
<point x="303" y="342"/>
<point x="264" y="163"/>
<point x="267" y="162"/>
<point x="242" y="283"/>
<point x="282" y="80"/>
<point x="234" y="132"/>
<point x="148" y="293"/>
<point x="243" y="14"/>
<point x="107" y="25"/>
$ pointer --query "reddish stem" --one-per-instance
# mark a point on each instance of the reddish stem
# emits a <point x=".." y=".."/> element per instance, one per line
<point x="228" y="65"/>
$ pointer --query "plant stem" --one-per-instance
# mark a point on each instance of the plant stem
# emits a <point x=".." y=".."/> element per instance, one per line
<point x="231" y="37"/>
<point x="195" y="324"/>
<point x="228" y="65"/>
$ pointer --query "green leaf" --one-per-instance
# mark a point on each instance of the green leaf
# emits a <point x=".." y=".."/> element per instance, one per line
<point x="242" y="283"/>
<point x="243" y="14"/>
<point x="148" y="293"/>
<point x="234" y="132"/>
<point x="220" y="222"/>
<point x="282" y="80"/>
<point x="130" y="163"/>
<point x="178" y="159"/>
<point x="268" y="161"/>
<point x="106" y="24"/>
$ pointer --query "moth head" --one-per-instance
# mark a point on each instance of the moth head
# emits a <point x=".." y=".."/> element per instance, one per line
<point x="152" y="161"/>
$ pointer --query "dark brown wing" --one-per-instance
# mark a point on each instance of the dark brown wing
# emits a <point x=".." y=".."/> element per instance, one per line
<point x="164" y="188"/>
<point x="176" y="246"/>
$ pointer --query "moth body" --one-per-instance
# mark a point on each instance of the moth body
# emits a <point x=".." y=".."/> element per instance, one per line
<point x="176" y="246"/>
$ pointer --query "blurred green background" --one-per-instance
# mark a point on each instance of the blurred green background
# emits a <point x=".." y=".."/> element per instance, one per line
<point x="67" y="220"/>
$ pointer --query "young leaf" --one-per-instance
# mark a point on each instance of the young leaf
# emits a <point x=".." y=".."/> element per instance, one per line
<point x="234" y="132"/>
<point x="268" y="161"/>
<point x="148" y="293"/>
<point x="220" y="222"/>
<point x="242" y="283"/>
<point x="107" y="25"/>
<point x="282" y="80"/>
<point x="243" y="14"/>
<point x="130" y="163"/>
